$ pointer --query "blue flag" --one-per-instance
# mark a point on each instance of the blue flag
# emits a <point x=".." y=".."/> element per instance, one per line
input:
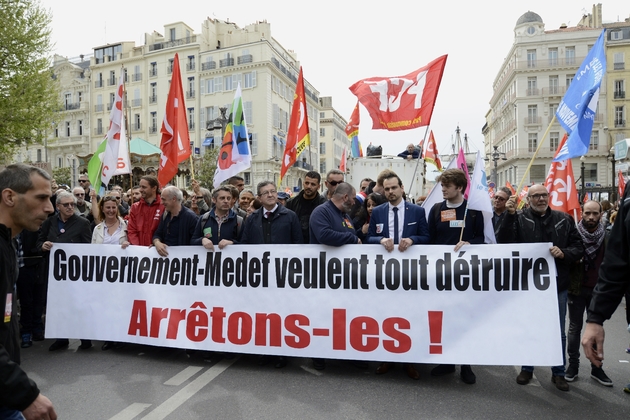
<point x="576" y="112"/>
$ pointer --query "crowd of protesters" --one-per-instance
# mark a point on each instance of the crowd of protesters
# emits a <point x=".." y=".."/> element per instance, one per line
<point x="376" y="212"/>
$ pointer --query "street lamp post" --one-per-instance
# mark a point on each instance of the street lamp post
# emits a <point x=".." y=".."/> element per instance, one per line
<point x="495" y="156"/>
<point x="611" y="156"/>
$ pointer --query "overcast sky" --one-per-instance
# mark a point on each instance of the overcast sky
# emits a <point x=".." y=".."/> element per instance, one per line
<point x="338" y="44"/>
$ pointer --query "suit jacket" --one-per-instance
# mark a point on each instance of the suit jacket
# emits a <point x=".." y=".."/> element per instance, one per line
<point x="415" y="228"/>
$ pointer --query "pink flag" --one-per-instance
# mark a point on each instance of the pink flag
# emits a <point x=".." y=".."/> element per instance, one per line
<point x="461" y="164"/>
<point x="342" y="165"/>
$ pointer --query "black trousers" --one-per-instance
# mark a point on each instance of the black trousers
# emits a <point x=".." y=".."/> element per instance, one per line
<point x="31" y="291"/>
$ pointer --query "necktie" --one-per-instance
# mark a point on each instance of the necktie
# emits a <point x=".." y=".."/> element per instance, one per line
<point x="268" y="214"/>
<point x="396" y="238"/>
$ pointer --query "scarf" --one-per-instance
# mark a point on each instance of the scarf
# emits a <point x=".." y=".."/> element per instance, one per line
<point x="592" y="241"/>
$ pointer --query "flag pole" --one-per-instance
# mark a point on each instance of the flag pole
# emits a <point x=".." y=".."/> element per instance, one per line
<point x="192" y="168"/>
<point x="415" y="170"/>
<point x="531" y="162"/>
<point x="128" y="131"/>
<point x="461" y="233"/>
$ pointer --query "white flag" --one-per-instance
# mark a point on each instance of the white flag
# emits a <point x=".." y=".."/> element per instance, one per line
<point x="479" y="199"/>
<point x="116" y="156"/>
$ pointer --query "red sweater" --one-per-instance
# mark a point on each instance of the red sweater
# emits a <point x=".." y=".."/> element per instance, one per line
<point x="143" y="221"/>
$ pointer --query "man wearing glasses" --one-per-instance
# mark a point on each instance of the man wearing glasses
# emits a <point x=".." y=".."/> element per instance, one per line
<point x="539" y="223"/>
<point x="84" y="182"/>
<point x="498" y="203"/>
<point x="333" y="178"/>
<point x="83" y="207"/>
<point x="271" y="224"/>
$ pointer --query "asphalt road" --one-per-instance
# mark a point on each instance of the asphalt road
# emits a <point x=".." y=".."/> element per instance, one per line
<point x="141" y="382"/>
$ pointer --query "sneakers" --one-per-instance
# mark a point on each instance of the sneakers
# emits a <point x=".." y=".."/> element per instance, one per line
<point x="560" y="382"/>
<point x="467" y="375"/>
<point x="627" y="389"/>
<point x="571" y="373"/>
<point x="598" y="374"/>
<point x="27" y="340"/>
<point x="524" y="377"/>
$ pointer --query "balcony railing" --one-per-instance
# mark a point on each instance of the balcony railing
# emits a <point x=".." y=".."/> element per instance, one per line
<point x="191" y="125"/>
<point x="136" y="77"/>
<point x="153" y="129"/>
<point x="620" y="94"/>
<point x="173" y="43"/>
<point x="554" y="91"/>
<point x="209" y="65"/>
<point x="244" y="59"/>
<point x="190" y="66"/>
<point x="136" y="127"/>
<point x="190" y="94"/>
<point x="620" y="123"/>
<point x="533" y="92"/>
<point x="98" y="108"/>
<point x="98" y="131"/>
<point x="619" y="66"/>
<point x="532" y="120"/>
<point x="169" y="69"/>
<point x="153" y="72"/>
<point x="111" y="81"/>
<point x="98" y="83"/>
<point x="70" y="107"/>
<point x="153" y="99"/>
<point x="226" y="62"/>
<point x="136" y="102"/>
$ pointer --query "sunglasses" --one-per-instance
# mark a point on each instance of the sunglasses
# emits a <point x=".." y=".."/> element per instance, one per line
<point x="334" y="183"/>
<point x="79" y="195"/>
<point x="66" y="204"/>
<point x="83" y="180"/>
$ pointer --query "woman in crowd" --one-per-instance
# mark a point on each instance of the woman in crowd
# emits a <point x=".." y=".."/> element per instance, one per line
<point x="111" y="231"/>
<point x="362" y="221"/>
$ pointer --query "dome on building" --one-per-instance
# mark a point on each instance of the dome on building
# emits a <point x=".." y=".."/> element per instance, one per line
<point x="529" y="17"/>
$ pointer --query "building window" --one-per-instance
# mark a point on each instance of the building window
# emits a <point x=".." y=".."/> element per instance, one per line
<point x="112" y="78"/>
<point x="190" y="93"/>
<point x="532" y="86"/>
<point x="153" y="128"/>
<point x="620" y="89"/>
<point x="247" y="110"/>
<point x="191" y="118"/>
<point x="169" y="67"/>
<point x="172" y="34"/>
<point x="322" y="148"/>
<point x="590" y="172"/>
<point x="569" y="79"/>
<point x="153" y="71"/>
<point x="619" y="61"/>
<point x="227" y="83"/>
<point x="532" y="142"/>
<point x="531" y="58"/>
<point x="532" y="114"/>
<point x="67" y="129"/>
<point x="322" y="132"/>
<point x="191" y="63"/>
<point x="554" y="141"/>
<point x="322" y="167"/>
<point x="80" y="126"/>
<point x="553" y="56"/>
<point x="153" y="93"/>
<point x="616" y="35"/>
<point x="39" y="155"/>
<point x="537" y="174"/>
<point x="253" y="145"/>
<point x="136" y="122"/>
<point x="594" y="140"/>
<point x="99" y="126"/>
<point x="620" y="116"/>
<point x="570" y="55"/>
<point x="554" y="85"/>
<point x="249" y="80"/>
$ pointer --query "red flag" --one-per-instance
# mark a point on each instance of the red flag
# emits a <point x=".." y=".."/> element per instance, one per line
<point x="621" y="186"/>
<point x="561" y="186"/>
<point x="404" y="102"/>
<point x="175" y="144"/>
<point x="342" y="165"/>
<point x="431" y="153"/>
<point x="461" y="164"/>
<point x="507" y="184"/>
<point x="491" y="192"/>
<point x="585" y="199"/>
<point x="298" y="136"/>
<point x="521" y="197"/>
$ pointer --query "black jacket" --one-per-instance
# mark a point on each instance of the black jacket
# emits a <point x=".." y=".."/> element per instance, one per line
<point x="17" y="391"/>
<point x="303" y="209"/>
<point x="285" y="227"/>
<point x="614" y="273"/>
<point x="187" y="222"/>
<point x="555" y="227"/>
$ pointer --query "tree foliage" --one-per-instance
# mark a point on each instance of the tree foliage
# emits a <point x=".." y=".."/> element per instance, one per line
<point x="28" y="94"/>
<point x="205" y="168"/>
<point x="63" y="176"/>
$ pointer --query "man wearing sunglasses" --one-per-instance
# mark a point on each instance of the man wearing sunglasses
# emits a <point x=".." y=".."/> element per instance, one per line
<point x="538" y="223"/>
<point x="83" y="207"/>
<point x="84" y="182"/>
<point x="498" y="203"/>
<point x="334" y="177"/>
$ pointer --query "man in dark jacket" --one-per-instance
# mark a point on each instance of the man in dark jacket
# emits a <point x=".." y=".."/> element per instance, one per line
<point x="305" y="202"/>
<point x="539" y="223"/>
<point x="613" y="282"/>
<point x="221" y="226"/>
<point x="177" y="226"/>
<point x="271" y="224"/>
<point x="25" y="194"/>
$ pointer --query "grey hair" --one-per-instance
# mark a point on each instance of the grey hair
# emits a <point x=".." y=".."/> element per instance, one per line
<point x="65" y="194"/>
<point x="173" y="191"/>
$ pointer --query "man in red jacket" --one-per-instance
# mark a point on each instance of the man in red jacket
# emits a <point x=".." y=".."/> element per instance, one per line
<point x="145" y="215"/>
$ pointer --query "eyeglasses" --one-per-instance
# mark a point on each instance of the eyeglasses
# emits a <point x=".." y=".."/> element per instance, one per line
<point x="333" y="183"/>
<point x="83" y="180"/>
<point x="198" y="198"/>
<point x="67" y="204"/>
<point x="270" y="192"/>
<point x="496" y="197"/>
<point x="539" y="196"/>
<point x="79" y="195"/>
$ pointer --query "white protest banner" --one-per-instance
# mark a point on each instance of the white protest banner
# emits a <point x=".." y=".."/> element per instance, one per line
<point x="486" y="304"/>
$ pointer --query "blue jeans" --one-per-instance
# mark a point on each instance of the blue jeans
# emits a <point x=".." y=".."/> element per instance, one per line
<point x="562" y="311"/>
<point x="8" y="414"/>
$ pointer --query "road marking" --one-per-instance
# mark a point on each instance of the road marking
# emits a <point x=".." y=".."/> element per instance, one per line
<point x="183" y="376"/>
<point x="311" y="370"/>
<point x="131" y="412"/>
<point x="170" y="405"/>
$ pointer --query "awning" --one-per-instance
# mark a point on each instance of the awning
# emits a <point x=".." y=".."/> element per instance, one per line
<point x="279" y="141"/>
<point x="208" y="141"/>
<point x="143" y="147"/>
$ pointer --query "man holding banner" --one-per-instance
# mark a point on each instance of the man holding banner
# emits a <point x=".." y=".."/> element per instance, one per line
<point x="538" y="223"/>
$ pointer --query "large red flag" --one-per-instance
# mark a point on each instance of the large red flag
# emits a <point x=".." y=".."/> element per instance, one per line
<point x="561" y="186"/>
<point x="403" y="102"/>
<point x="431" y="153"/>
<point x="175" y="144"/>
<point x="298" y="136"/>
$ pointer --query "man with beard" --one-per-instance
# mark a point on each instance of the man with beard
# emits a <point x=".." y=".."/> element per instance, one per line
<point x="83" y="207"/>
<point x="145" y="215"/>
<point x="539" y="223"/>
<point x="583" y="281"/>
<point x="305" y="202"/>
<point x="334" y="177"/>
